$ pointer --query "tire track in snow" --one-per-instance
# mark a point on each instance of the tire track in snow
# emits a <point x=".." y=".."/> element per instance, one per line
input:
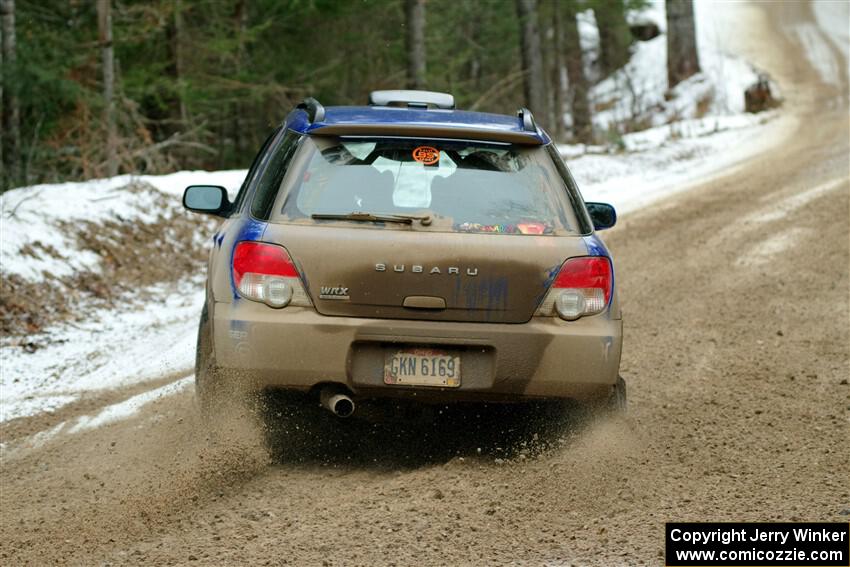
<point x="111" y="413"/>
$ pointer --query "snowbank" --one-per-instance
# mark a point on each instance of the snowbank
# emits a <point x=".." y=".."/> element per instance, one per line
<point x="47" y="370"/>
<point x="114" y="348"/>
<point x="832" y="27"/>
<point x="35" y="214"/>
<point x="661" y="161"/>
<point x="683" y="135"/>
<point x="832" y="18"/>
<point x="637" y="95"/>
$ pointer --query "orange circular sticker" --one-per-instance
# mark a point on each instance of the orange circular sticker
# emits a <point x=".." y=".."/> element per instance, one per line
<point x="427" y="155"/>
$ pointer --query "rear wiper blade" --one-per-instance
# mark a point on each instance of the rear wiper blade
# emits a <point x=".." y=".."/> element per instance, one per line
<point x="364" y="216"/>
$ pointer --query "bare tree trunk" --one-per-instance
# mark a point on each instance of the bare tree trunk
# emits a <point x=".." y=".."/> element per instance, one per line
<point x="104" y="24"/>
<point x="178" y="61"/>
<point x="3" y="185"/>
<point x="415" y="16"/>
<point x="11" y="119"/>
<point x="579" y="107"/>
<point x="473" y="68"/>
<point x="532" y="57"/>
<point x="614" y="35"/>
<point x="175" y="68"/>
<point x="547" y="35"/>
<point x="558" y="73"/>
<point x="240" y="17"/>
<point x="682" y="58"/>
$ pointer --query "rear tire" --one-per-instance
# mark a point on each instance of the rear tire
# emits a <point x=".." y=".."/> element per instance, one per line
<point x="205" y="369"/>
<point x="217" y="394"/>
<point x="618" y="401"/>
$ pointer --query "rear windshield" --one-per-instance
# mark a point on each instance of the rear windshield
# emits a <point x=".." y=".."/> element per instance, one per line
<point x="462" y="186"/>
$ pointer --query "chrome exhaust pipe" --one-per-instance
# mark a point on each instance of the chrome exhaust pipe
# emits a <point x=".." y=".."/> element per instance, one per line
<point x="336" y="402"/>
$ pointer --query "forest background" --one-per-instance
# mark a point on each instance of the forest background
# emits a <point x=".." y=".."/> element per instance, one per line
<point x="93" y="88"/>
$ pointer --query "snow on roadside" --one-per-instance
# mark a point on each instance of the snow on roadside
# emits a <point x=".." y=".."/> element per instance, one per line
<point x="109" y="414"/>
<point x="130" y="406"/>
<point x="114" y="348"/>
<point x="831" y="18"/>
<point x="34" y="213"/>
<point x="110" y="348"/>
<point x="696" y="130"/>
<point x="669" y="159"/>
<point x="638" y="93"/>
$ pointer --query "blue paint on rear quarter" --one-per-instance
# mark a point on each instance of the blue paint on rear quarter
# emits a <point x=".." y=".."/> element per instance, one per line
<point x="248" y="229"/>
<point x="550" y="275"/>
<point x="595" y="247"/>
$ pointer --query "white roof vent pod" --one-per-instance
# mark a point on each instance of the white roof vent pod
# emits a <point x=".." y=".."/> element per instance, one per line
<point x="412" y="99"/>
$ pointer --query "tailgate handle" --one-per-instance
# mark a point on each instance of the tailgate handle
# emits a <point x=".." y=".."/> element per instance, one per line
<point x="424" y="302"/>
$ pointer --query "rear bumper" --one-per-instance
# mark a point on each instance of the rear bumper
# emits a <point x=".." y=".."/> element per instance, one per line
<point x="297" y="348"/>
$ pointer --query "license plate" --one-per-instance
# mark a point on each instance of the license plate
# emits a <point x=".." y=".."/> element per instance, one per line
<point x="422" y="367"/>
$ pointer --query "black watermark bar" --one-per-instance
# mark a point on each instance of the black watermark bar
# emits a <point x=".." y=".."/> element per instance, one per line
<point x="740" y="544"/>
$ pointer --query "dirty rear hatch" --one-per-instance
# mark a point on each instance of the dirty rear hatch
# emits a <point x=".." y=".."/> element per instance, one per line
<point x="360" y="272"/>
<point x="499" y="223"/>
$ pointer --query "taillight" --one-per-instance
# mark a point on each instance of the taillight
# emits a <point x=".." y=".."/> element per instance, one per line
<point x="265" y="272"/>
<point x="582" y="287"/>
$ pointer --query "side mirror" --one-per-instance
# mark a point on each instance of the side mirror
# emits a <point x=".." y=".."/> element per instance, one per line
<point x="208" y="199"/>
<point x="603" y="215"/>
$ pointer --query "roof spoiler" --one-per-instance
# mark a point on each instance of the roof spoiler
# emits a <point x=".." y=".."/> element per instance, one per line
<point x="314" y="109"/>
<point x="446" y="131"/>
<point x="415" y="99"/>
<point x="526" y="120"/>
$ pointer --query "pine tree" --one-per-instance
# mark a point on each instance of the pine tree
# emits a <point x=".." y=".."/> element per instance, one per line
<point x="200" y="82"/>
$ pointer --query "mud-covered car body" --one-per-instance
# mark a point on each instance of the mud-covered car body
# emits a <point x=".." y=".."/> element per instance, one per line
<point x="407" y="249"/>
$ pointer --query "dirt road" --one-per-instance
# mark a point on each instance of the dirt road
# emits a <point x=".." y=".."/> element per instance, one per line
<point x="737" y="356"/>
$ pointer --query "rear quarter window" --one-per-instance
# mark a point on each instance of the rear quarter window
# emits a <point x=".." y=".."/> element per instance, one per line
<point x="273" y="175"/>
<point x="256" y="166"/>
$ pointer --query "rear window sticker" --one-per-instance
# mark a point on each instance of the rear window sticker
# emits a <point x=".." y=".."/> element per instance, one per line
<point x="427" y="155"/>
